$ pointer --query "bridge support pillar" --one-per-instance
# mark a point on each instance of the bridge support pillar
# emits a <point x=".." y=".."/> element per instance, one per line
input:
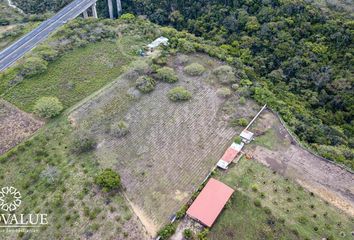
<point x="85" y="13"/>
<point x="94" y="10"/>
<point x="119" y="7"/>
<point x="110" y="9"/>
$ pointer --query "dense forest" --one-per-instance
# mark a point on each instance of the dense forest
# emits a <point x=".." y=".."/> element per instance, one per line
<point x="299" y="59"/>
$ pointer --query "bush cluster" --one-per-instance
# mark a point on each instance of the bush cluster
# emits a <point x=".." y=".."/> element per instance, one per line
<point x="145" y="84"/>
<point x="83" y="142"/>
<point x="225" y="74"/>
<point x="166" y="74"/>
<point x="108" y="180"/>
<point x="194" y="69"/>
<point x="167" y="231"/>
<point x="48" y="107"/>
<point x="179" y="94"/>
<point x="119" y="129"/>
<point x="223" y="92"/>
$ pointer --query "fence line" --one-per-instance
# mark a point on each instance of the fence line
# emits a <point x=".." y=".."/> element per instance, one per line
<point x="304" y="147"/>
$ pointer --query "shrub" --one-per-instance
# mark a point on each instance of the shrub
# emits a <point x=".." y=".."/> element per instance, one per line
<point x="119" y="129"/>
<point x="108" y="180"/>
<point x="242" y="122"/>
<point x="127" y="16"/>
<point x="179" y="94"/>
<point x="187" y="233"/>
<point x="180" y="214"/>
<point x="225" y="74"/>
<point x="185" y="46"/>
<point x="48" y="107"/>
<point x="257" y="203"/>
<point x="302" y="220"/>
<point x="145" y="84"/>
<point x="237" y="139"/>
<point x="223" y="92"/>
<point x="167" y="231"/>
<point x="33" y="66"/>
<point x="83" y="142"/>
<point x="254" y="187"/>
<point x="194" y="69"/>
<point x="166" y="74"/>
<point x="203" y="234"/>
<point x="242" y="101"/>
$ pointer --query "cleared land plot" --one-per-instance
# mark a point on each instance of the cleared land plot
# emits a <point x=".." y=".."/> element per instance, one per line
<point x="170" y="147"/>
<point x="15" y="126"/>
<point x="275" y="148"/>
<point x="268" y="206"/>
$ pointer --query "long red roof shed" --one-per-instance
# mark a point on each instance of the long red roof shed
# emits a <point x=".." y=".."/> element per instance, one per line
<point x="229" y="155"/>
<point x="210" y="202"/>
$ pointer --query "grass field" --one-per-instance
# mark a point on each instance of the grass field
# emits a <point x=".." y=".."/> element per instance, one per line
<point x="284" y="209"/>
<point x="170" y="147"/>
<point x="54" y="180"/>
<point x="75" y="75"/>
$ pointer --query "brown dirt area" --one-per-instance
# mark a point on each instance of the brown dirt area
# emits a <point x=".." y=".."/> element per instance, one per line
<point x="170" y="147"/>
<point x="329" y="181"/>
<point x="15" y="126"/>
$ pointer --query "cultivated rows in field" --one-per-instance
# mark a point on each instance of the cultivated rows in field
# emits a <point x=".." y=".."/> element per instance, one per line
<point x="170" y="148"/>
<point x="15" y="126"/>
<point x="276" y="149"/>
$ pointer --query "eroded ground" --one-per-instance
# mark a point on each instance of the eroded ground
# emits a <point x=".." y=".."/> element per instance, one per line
<point x="275" y="148"/>
<point x="171" y="147"/>
<point x="15" y="126"/>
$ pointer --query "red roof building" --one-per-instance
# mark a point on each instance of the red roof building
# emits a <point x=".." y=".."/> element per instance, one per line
<point x="229" y="155"/>
<point x="210" y="202"/>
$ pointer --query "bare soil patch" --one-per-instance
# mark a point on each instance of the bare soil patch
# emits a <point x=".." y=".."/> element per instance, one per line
<point x="15" y="126"/>
<point x="170" y="147"/>
<point x="276" y="149"/>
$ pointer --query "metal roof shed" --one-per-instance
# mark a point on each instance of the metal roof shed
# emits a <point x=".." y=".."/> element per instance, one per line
<point x="210" y="202"/>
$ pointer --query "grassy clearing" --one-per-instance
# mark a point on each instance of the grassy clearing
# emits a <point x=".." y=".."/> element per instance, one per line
<point x="75" y="75"/>
<point x="298" y="212"/>
<point x="54" y="180"/>
<point x="159" y="178"/>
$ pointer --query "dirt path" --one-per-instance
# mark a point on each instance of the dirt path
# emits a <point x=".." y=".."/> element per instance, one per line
<point x="277" y="150"/>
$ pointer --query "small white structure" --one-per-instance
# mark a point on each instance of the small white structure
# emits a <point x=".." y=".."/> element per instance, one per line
<point x="157" y="42"/>
<point x="246" y="136"/>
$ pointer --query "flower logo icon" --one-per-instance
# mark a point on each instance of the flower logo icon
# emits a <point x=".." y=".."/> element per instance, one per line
<point x="10" y="199"/>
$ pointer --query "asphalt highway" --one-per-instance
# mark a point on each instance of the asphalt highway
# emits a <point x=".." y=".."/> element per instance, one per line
<point x="25" y="44"/>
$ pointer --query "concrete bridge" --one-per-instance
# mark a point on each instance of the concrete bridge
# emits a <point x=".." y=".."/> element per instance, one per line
<point x="18" y="49"/>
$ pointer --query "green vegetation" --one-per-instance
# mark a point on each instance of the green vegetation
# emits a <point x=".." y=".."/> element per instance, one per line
<point x="108" y="180"/>
<point x="194" y="69"/>
<point x="223" y="92"/>
<point x="167" y="231"/>
<point x="275" y="208"/>
<point x="225" y="74"/>
<point x="71" y="76"/>
<point x="83" y="142"/>
<point x="179" y="94"/>
<point x="187" y="233"/>
<point x="166" y="74"/>
<point x="291" y="55"/>
<point x="119" y="129"/>
<point x="145" y="84"/>
<point x="48" y="107"/>
<point x="54" y="180"/>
